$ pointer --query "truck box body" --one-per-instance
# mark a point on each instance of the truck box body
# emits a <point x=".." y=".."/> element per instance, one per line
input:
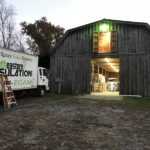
<point x="21" y="69"/>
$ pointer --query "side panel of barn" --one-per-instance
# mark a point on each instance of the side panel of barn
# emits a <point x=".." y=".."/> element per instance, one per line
<point x="134" y="50"/>
<point x="70" y="64"/>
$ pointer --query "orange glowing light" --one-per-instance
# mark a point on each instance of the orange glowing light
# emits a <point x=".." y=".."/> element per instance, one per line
<point x="104" y="42"/>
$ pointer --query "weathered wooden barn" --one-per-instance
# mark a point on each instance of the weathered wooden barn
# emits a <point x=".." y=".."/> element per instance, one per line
<point x="102" y="50"/>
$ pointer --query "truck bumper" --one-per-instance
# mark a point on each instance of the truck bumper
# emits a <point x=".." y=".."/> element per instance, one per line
<point x="47" y="88"/>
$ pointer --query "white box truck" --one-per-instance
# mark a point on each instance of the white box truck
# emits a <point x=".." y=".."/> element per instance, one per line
<point x="23" y="71"/>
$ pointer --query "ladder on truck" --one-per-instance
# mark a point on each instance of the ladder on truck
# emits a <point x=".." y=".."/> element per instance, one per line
<point x="9" y="99"/>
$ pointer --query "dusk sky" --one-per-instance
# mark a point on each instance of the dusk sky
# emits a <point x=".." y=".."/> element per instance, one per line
<point x="73" y="13"/>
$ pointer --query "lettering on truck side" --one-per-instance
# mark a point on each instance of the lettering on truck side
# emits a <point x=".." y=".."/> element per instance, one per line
<point x="16" y="70"/>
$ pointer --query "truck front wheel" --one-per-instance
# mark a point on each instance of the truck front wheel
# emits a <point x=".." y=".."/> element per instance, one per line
<point x="41" y="91"/>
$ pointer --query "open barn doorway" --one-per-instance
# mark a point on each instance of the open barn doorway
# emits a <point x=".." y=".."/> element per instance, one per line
<point x="105" y="76"/>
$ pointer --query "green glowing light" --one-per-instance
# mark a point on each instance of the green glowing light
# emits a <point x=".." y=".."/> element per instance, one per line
<point x="104" y="27"/>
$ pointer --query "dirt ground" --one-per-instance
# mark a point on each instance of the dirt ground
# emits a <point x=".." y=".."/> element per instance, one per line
<point x="75" y="124"/>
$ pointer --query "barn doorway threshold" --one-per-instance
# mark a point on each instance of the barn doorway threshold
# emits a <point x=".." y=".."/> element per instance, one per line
<point x="102" y="96"/>
<point x="106" y="93"/>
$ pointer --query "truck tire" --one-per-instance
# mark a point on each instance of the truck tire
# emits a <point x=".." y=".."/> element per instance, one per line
<point x="41" y="91"/>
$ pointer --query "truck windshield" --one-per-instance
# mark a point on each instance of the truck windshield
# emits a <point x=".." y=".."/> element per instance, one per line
<point x="40" y="72"/>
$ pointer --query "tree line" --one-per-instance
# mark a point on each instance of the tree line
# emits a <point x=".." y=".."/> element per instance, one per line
<point x="37" y="38"/>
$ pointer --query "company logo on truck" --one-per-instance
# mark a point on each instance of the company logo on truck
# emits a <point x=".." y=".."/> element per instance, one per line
<point x="20" y="68"/>
<point x="14" y="69"/>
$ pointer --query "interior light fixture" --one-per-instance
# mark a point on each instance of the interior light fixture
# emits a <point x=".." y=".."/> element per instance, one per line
<point x="104" y="27"/>
<point x="107" y="60"/>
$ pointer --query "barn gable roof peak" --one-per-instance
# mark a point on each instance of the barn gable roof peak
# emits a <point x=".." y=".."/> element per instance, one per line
<point x="102" y="20"/>
<point x="113" y="21"/>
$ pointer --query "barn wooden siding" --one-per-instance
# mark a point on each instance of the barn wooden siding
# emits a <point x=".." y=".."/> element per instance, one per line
<point x="134" y="50"/>
<point x="70" y="64"/>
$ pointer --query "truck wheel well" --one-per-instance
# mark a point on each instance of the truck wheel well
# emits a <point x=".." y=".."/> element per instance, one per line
<point x="41" y="90"/>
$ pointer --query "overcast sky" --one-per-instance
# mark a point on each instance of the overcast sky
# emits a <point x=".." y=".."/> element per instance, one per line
<point x="73" y="13"/>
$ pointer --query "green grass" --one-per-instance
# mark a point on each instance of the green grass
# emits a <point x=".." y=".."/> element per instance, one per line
<point x="137" y="100"/>
<point x="57" y="96"/>
<point x="49" y="97"/>
<point x="126" y="100"/>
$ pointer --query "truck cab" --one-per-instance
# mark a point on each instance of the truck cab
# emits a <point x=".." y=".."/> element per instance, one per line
<point x="43" y="82"/>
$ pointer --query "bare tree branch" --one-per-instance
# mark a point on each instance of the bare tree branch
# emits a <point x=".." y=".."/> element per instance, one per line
<point x="7" y="25"/>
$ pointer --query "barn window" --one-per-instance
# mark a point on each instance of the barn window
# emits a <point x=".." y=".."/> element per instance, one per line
<point x="105" y="42"/>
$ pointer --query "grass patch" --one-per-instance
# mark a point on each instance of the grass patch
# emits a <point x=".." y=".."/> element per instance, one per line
<point x="57" y="96"/>
<point x="50" y="97"/>
<point x="137" y="100"/>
